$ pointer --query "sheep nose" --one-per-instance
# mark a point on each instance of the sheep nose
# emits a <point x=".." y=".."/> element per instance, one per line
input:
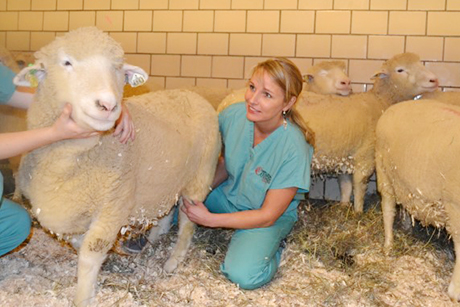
<point x="105" y="105"/>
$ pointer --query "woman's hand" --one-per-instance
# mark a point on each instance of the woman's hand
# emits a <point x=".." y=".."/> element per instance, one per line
<point x="65" y="127"/>
<point x="125" y="127"/>
<point x="197" y="213"/>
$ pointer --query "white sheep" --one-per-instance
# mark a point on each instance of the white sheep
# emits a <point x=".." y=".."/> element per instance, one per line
<point x="327" y="77"/>
<point x="91" y="189"/>
<point x="417" y="166"/>
<point x="344" y="127"/>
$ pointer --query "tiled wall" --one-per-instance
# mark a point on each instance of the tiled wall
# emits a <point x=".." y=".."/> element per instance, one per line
<point x="216" y="42"/>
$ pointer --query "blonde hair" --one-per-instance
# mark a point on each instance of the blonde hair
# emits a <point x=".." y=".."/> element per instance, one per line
<point x="289" y="78"/>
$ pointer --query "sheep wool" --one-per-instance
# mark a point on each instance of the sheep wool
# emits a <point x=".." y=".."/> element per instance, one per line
<point x="417" y="166"/>
<point x="90" y="189"/>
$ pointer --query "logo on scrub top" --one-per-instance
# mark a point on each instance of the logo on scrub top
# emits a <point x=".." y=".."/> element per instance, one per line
<point x="266" y="177"/>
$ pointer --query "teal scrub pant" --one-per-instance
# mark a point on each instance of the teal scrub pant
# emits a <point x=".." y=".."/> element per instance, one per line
<point x="14" y="225"/>
<point x="253" y="255"/>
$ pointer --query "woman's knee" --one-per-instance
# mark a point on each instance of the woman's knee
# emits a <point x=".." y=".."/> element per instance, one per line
<point x="16" y="221"/>
<point x="249" y="277"/>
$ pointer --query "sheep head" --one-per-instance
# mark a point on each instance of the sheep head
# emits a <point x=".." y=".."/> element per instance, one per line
<point x="85" y="68"/>
<point x="328" y="77"/>
<point x="406" y="75"/>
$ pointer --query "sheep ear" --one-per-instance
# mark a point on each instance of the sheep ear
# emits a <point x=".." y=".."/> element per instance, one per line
<point x="381" y="74"/>
<point x="134" y="75"/>
<point x="308" y="78"/>
<point x="30" y="76"/>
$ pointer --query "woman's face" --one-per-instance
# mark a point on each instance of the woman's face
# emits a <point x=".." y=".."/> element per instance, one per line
<point x="265" y="100"/>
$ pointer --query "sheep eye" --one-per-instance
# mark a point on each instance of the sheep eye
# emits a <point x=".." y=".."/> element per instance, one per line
<point x="400" y="70"/>
<point x="67" y="63"/>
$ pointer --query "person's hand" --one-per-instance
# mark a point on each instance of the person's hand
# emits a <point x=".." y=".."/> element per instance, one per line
<point x="197" y="213"/>
<point x="124" y="127"/>
<point x="66" y="128"/>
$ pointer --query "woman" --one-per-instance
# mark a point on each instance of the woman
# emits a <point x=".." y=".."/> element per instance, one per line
<point x="265" y="163"/>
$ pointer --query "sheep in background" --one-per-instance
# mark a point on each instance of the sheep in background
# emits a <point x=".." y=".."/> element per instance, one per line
<point x="90" y="189"/>
<point x="327" y="77"/>
<point x="417" y="166"/>
<point x="344" y="127"/>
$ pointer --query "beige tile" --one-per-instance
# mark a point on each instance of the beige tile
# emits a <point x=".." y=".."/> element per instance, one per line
<point x="215" y="5"/>
<point x="453" y="5"/>
<point x="452" y="49"/>
<point x="9" y="21"/>
<point x="313" y="45"/>
<point x="428" y="48"/>
<point x="410" y="23"/>
<point x="249" y="65"/>
<point x="167" y="21"/>
<point x="213" y="43"/>
<point x="245" y="44"/>
<point x="278" y="45"/>
<point x="165" y="65"/>
<point x="175" y="82"/>
<point x="151" y="42"/>
<point x="82" y="19"/>
<point x="351" y="4"/>
<point x="153" y="4"/>
<point x="18" y="5"/>
<point x="69" y="4"/>
<point x="96" y="4"/>
<point x="384" y="47"/>
<point x="182" y="43"/>
<point x="45" y="5"/>
<point x="358" y="88"/>
<point x="156" y="83"/>
<point x="3" y="8"/>
<point x="365" y="22"/>
<point x="263" y="21"/>
<point x="31" y="21"/>
<point x="361" y="71"/>
<point x="333" y="22"/>
<point x="315" y="4"/>
<point x="209" y="82"/>
<point x="388" y="4"/>
<point x="297" y="21"/>
<point x="40" y="39"/>
<point x="443" y="23"/>
<point x="109" y="20"/>
<point x="3" y="39"/>
<point x="349" y="46"/>
<point x="125" y="4"/>
<point x="140" y="60"/>
<point x="302" y="64"/>
<point x="230" y="21"/>
<point x="280" y="5"/>
<point x="138" y="21"/>
<point x="128" y="41"/>
<point x="426" y="5"/>
<point x="56" y="21"/>
<point x="18" y="41"/>
<point x="196" y="66"/>
<point x="247" y="5"/>
<point x="183" y="4"/>
<point x="237" y="83"/>
<point x="447" y="73"/>
<point x="227" y="67"/>
<point x="198" y="21"/>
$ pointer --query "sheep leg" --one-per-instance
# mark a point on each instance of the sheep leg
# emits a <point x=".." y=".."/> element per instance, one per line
<point x="360" y="178"/>
<point x="454" y="230"/>
<point x="346" y="187"/>
<point x="164" y="225"/>
<point x="184" y="238"/>
<point x="96" y="243"/>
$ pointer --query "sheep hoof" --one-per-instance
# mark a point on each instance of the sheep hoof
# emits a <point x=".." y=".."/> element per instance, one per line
<point x="454" y="291"/>
<point x="171" y="265"/>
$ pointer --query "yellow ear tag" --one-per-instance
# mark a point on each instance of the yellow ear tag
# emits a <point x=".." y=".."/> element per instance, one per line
<point x="32" y="78"/>
<point x="135" y="79"/>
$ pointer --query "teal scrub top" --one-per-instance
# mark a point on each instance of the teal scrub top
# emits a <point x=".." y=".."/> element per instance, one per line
<point x="7" y="86"/>
<point x="280" y="161"/>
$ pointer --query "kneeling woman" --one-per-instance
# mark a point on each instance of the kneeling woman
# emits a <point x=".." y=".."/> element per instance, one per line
<point x="262" y="172"/>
